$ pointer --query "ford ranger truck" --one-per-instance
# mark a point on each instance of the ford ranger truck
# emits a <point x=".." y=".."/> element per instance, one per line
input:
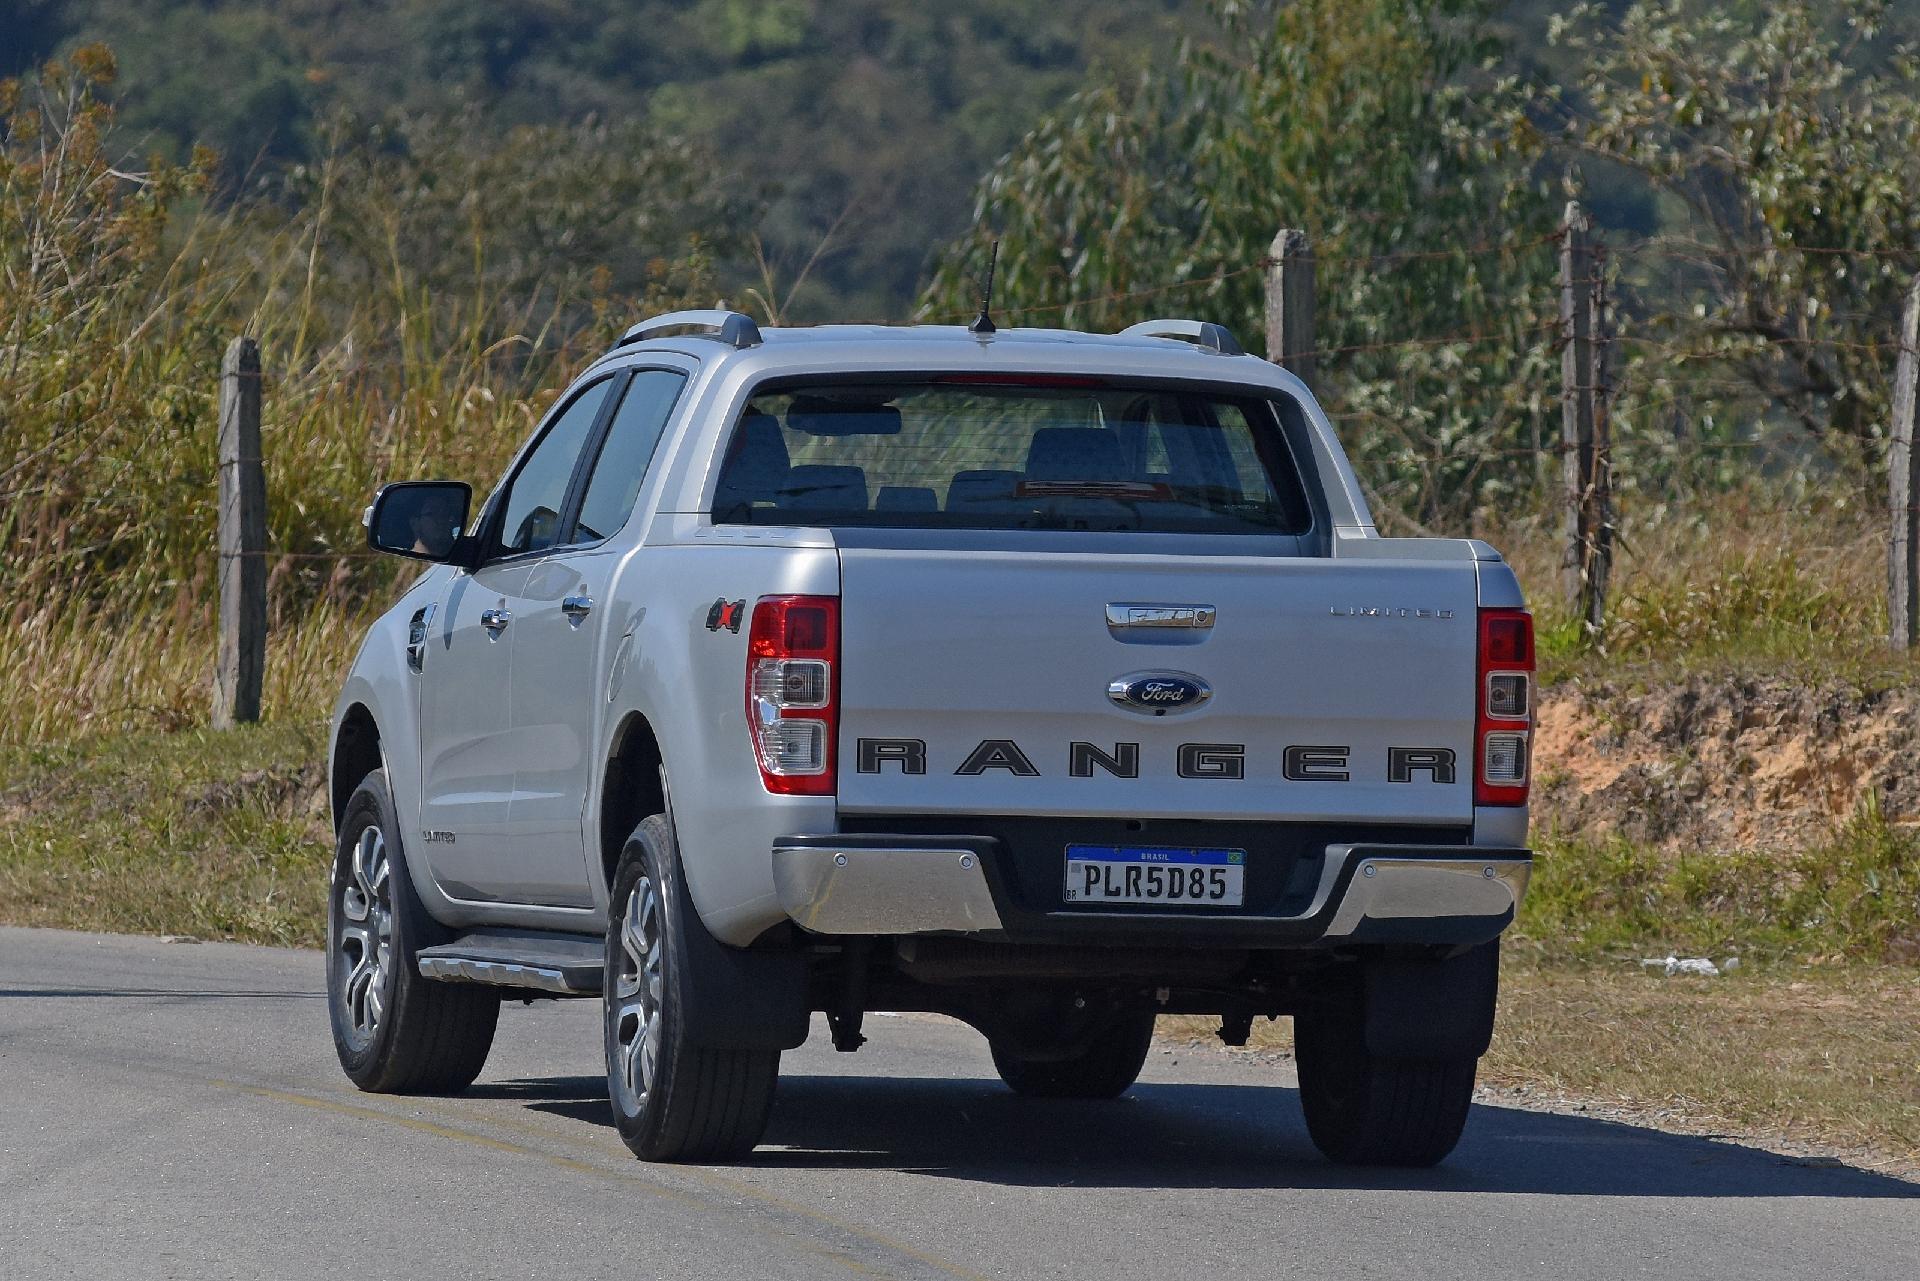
<point x="1048" y="681"/>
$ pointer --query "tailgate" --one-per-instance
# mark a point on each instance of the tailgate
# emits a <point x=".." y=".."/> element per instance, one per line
<point x="969" y="677"/>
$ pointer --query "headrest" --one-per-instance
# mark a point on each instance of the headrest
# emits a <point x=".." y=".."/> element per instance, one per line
<point x="977" y="489"/>
<point x="756" y="466"/>
<point x="759" y="445"/>
<point x="1075" y="453"/>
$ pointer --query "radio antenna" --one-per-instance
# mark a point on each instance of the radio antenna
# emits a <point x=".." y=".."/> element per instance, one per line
<point x="983" y="323"/>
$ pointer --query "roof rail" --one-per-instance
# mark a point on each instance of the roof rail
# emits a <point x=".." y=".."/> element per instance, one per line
<point x="1201" y="333"/>
<point x="730" y="327"/>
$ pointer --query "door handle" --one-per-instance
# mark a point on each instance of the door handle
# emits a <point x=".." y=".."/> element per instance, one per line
<point x="577" y="607"/>
<point x="495" y="620"/>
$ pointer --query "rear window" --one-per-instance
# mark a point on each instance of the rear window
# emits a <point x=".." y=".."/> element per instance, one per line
<point x="954" y="454"/>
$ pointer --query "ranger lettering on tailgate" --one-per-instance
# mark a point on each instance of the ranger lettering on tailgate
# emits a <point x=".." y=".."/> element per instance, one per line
<point x="1306" y="764"/>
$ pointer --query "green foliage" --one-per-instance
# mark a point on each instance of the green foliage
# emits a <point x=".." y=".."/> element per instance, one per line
<point x="1782" y="144"/>
<point x="1370" y="125"/>
<point x="104" y="373"/>
<point x="419" y="294"/>
<point x="1855" y="897"/>
<point x="873" y="115"/>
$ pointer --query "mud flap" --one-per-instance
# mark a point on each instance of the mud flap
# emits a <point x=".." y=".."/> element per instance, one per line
<point x="739" y="999"/>
<point x="1426" y="1009"/>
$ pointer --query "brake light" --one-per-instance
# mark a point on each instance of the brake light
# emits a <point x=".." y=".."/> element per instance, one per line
<point x="793" y="697"/>
<point x="1503" y="734"/>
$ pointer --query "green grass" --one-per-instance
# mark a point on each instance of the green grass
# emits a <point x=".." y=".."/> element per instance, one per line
<point x="1855" y="895"/>
<point x="213" y="835"/>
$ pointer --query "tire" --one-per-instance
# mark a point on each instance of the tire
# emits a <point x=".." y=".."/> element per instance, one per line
<point x="1109" y="1064"/>
<point x="395" y="1032"/>
<point x="672" y="1100"/>
<point x="1362" y="1109"/>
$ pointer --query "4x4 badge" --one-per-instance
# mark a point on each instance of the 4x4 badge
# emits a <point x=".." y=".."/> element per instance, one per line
<point x="725" y="613"/>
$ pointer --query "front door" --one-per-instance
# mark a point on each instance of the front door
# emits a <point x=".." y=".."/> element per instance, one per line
<point x="466" y="753"/>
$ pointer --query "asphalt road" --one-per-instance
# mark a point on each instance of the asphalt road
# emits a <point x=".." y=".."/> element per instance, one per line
<point x="172" y="1110"/>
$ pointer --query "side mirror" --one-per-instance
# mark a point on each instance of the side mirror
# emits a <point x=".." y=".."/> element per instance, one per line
<point x="420" y="519"/>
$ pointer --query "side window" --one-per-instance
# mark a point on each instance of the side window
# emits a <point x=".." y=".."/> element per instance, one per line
<point x="631" y="439"/>
<point x="539" y="491"/>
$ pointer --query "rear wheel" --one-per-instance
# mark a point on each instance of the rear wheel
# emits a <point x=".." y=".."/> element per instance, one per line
<point x="395" y="1032"/>
<point x="1102" y="1068"/>
<point x="1362" y="1109"/>
<point x="672" y="1100"/>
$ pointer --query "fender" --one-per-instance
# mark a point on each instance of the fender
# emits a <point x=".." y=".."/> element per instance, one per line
<point x="379" y="681"/>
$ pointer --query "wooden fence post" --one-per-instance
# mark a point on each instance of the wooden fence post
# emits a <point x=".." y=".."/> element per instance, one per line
<point x="242" y="663"/>
<point x="1290" y="340"/>
<point x="1583" y="422"/>
<point x="1903" y="471"/>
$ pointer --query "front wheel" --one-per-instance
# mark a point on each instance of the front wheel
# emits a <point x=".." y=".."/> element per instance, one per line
<point x="395" y="1031"/>
<point x="1362" y="1109"/>
<point x="672" y="1100"/>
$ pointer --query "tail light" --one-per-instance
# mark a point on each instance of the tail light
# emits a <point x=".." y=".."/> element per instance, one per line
<point x="1503" y="736"/>
<point x="793" y="696"/>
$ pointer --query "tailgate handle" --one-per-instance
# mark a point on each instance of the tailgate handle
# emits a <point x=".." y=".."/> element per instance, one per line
<point x="1127" y="615"/>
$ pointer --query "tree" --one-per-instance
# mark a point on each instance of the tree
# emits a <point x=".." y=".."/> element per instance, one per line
<point x="1374" y="125"/>
<point x="1783" y="143"/>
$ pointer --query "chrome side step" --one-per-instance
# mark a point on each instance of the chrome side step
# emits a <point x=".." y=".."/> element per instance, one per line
<point x="558" y="964"/>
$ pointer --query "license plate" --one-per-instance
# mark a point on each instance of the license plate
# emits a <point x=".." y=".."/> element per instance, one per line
<point x="1156" y="875"/>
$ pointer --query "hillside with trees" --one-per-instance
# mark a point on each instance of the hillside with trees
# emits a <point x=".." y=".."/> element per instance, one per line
<point x="859" y="123"/>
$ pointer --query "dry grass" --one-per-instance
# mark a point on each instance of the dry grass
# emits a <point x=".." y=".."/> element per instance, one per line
<point x="1748" y="580"/>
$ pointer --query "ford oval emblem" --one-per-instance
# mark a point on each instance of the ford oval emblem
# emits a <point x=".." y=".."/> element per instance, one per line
<point x="1159" y="693"/>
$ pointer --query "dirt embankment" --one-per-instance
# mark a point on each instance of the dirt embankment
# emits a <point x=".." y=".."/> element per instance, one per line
<point x="1724" y="763"/>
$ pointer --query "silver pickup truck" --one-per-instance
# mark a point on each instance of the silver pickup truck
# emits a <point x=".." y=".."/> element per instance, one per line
<point x="1045" y="680"/>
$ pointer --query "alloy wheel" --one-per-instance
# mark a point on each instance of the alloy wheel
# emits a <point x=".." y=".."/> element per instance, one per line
<point x="365" y="949"/>
<point x="635" y="1004"/>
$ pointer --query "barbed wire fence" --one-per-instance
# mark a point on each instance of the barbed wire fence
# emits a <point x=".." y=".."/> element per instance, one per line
<point x="1581" y="337"/>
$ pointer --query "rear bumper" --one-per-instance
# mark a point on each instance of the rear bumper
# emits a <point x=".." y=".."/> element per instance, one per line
<point x="884" y="884"/>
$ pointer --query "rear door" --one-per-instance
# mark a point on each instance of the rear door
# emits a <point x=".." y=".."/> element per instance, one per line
<point x="570" y="625"/>
<point x="981" y="681"/>
<point x="471" y="751"/>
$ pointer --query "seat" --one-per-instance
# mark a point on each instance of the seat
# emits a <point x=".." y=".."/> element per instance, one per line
<point x="906" y="498"/>
<point x="756" y="468"/>
<point x="982" y="491"/>
<point x="1076" y="454"/>
<point x="821" y="487"/>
